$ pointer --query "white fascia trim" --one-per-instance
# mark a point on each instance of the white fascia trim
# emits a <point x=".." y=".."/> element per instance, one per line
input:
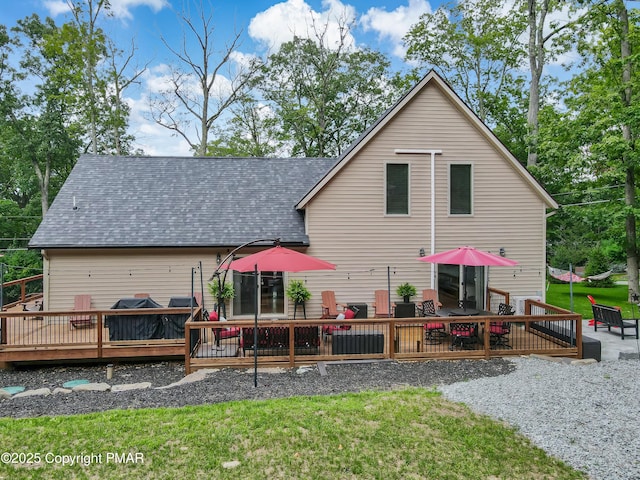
<point x="416" y="151"/>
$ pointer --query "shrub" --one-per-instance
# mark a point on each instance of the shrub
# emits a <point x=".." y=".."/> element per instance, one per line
<point x="598" y="263"/>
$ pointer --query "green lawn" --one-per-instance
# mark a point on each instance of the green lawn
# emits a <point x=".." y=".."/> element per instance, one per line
<point x="558" y="294"/>
<point x="404" y="434"/>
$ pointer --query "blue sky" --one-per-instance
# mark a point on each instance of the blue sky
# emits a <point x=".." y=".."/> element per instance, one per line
<point x="264" y="24"/>
<point x="380" y="24"/>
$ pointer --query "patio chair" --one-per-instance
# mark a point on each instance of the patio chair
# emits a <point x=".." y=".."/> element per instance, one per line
<point x="36" y="307"/>
<point x="80" y="303"/>
<point x="223" y="333"/>
<point x="349" y="314"/>
<point x="499" y="331"/>
<point x="141" y="295"/>
<point x="434" y="331"/>
<point x="330" y="306"/>
<point x="431" y="294"/>
<point x="463" y="335"/>
<point x="381" y="306"/>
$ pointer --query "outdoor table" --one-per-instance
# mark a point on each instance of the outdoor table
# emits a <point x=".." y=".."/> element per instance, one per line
<point x="462" y="312"/>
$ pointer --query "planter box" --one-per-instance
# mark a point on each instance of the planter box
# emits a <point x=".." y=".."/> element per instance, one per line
<point x="351" y="342"/>
<point x="405" y="310"/>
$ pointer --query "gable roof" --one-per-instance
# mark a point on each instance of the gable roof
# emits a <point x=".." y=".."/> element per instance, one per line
<point x="432" y="78"/>
<point x="179" y="202"/>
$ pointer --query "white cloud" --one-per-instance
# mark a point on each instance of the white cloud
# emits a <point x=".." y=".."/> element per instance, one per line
<point x="150" y="137"/>
<point x="155" y="139"/>
<point x="243" y="60"/>
<point x="394" y="25"/>
<point x="120" y="9"/>
<point x="56" y="7"/>
<point x="157" y="78"/>
<point x="281" y="22"/>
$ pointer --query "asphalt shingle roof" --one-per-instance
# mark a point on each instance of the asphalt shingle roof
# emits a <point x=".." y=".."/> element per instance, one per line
<point x="179" y="202"/>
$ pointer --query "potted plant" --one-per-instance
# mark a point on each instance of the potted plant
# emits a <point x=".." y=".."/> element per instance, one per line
<point x="221" y="295"/>
<point x="298" y="294"/>
<point x="406" y="291"/>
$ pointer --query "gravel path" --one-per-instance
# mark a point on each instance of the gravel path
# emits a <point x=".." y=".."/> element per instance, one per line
<point x="587" y="415"/>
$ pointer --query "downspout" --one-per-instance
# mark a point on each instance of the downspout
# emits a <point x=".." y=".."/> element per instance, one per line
<point x="46" y="297"/>
<point x="432" y="153"/>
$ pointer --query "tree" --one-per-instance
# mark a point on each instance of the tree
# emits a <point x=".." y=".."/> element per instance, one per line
<point x="198" y="92"/>
<point x="325" y="95"/>
<point x="115" y="112"/>
<point x="546" y="40"/>
<point x="90" y="42"/>
<point x="105" y="75"/>
<point x="251" y="132"/>
<point x="475" y="47"/>
<point x="42" y="128"/>
<point x="605" y="105"/>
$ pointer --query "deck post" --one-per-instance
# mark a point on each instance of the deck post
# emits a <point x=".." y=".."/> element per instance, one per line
<point x="392" y="337"/>
<point x="487" y="339"/>
<point x="99" y="324"/>
<point x="187" y="346"/>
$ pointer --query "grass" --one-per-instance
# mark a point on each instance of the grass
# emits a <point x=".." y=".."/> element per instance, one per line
<point x="403" y="434"/>
<point x="558" y="294"/>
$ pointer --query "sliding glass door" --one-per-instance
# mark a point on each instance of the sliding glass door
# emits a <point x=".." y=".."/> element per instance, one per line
<point x="459" y="282"/>
<point x="271" y="295"/>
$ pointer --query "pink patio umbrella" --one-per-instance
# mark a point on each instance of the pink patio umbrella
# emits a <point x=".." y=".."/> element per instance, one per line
<point x="275" y="259"/>
<point x="469" y="256"/>
<point x="280" y="259"/>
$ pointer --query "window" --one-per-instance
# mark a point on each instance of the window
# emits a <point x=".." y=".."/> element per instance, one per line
<point x="397" y="194"/>
<point x="460" y="191"/>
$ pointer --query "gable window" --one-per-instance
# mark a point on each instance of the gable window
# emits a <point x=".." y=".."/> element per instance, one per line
<point x="460" y="189"/>
<point x="397" y="189"/>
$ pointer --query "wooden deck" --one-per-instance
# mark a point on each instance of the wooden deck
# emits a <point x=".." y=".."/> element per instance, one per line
<point x="34" y="336"/>
<point x="408" y="342"/>
<point x="49" y="337"/>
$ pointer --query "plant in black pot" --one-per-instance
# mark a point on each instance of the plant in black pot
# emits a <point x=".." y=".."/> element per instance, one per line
<point x="221" y="295"/>
<point x="406" y="291"/>
<point x="298" y="293"/>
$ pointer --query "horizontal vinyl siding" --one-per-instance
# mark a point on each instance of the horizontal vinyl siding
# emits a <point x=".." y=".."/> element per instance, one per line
<point x="347" y="225"/>
<point x="108" y="275"/>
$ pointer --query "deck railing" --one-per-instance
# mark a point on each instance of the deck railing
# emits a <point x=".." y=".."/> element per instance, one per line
<point x="11" y="297"/>
<point x="495" y="297"/>
<point x="298" y="342"/>
<point x="50" y="336"/>
<point x="98" y="334"/>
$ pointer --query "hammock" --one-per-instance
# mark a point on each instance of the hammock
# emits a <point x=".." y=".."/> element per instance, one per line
<point x="567" y="276"/>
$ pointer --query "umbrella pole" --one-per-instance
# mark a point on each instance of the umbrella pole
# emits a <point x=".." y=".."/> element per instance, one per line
<point x="255" y="330"/>
<point x="191" y="300"/>
<point x="201" y="287"/>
